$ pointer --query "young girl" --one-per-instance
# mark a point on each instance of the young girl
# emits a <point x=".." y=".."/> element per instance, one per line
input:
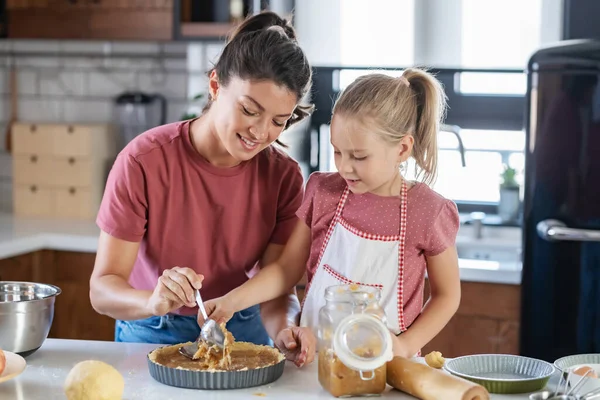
<point x="367" y="224"/>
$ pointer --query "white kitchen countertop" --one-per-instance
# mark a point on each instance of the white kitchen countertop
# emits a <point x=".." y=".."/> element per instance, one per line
<point x="47" y="369"/>
<point x="20" y="235"/>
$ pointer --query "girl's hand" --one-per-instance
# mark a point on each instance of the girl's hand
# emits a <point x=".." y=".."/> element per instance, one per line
<point x="297" y="344"/>
<point x="175" y="289"/>
<point x="220" y="310"/>
<point x="400" y="348"/>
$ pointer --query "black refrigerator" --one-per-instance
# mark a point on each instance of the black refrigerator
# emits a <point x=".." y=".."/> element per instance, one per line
<point x="560" y="312"/>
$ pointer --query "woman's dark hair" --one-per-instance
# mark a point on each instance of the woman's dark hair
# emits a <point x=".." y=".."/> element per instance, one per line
<point x="264" y="47"/>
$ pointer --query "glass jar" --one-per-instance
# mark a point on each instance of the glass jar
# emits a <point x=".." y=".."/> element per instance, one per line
<point x="354" y="342"/>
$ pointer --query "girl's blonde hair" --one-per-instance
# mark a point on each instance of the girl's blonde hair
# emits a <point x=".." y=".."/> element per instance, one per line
<point x="412" y="104"/>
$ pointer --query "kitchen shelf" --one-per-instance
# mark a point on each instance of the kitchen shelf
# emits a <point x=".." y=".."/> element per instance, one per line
<point x="205" y="30"/>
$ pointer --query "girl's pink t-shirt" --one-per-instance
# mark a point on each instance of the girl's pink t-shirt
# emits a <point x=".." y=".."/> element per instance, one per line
<point x="431" y="227"/>
<point x="186" y="212"/>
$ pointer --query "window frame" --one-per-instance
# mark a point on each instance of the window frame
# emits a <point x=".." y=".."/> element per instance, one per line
<point x="468" y="111"/>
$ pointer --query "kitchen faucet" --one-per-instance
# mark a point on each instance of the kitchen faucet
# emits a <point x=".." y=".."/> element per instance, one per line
<point x="455" y="129"/>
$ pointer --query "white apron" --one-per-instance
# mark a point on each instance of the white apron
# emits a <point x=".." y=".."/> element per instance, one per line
<point x="349" y="256"/>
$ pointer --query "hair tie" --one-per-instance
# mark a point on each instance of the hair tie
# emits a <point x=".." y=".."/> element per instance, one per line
<point x="404" y="80"/>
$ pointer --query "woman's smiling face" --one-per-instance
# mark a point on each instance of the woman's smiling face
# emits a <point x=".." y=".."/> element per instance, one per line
<point x="250" y="115"/>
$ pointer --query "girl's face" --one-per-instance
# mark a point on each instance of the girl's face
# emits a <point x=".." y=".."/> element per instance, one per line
<point x="365" y="160"/>
<point x="249" y="115"/>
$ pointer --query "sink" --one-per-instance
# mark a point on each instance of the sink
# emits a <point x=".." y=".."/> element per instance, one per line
<point x="493" y="258"/>
<point x="500" y="244"/>
<point x="475" y="251"/>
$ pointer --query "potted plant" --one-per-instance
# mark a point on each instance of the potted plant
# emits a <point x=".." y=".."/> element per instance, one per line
<point x="510" y="195"/>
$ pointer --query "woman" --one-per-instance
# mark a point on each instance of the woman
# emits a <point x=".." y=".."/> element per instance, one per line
<point x="202" y="203"/>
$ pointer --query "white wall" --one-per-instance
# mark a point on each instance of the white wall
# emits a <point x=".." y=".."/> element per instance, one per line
<point x="422" y="32"/>
<point x="318" y="25"/>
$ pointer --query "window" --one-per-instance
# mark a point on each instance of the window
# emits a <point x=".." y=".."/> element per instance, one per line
<point x="496" y="83"/>
<point x="499" y="34"/>
<point x="485" y="154"/>
<point x="463" y="40"/>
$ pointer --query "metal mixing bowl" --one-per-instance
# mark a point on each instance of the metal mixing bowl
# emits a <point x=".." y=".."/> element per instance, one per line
<point x="26" y="314"/>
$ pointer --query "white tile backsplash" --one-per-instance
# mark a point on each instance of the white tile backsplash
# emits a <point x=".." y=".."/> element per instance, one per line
<point x="111" y="65"/>
<point x="196" y="59"/>
<point x="78" y="80"/>
<point x="3" y="125"/>
<point x="174" y="48"/>
<point x="6" y="200"/>
<point x="4" y="79"/>
<point x="4" y="112"/>
<point x="38" y="62"/>
<point x="79" y="110"/>
<point x="73" y="46"/>
<point x="176" y="64"/>
<point x="106" y="84"/>
<point x="27" y="82"/>
<point x="175" y="110"/>
<point x="63" y="83"/>
<point x="5" y="164"/>
<point x="213" y="51"/>
<point x="42" y="46"/>
<point x="169" y="85"/>
<point x="35" y="109"/>
<point x="135" y="48"/>
<point x="84" y="63"/>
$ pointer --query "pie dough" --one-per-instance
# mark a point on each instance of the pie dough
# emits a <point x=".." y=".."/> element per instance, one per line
<point x="435" y="359"/>
<point x="235" y="356"/>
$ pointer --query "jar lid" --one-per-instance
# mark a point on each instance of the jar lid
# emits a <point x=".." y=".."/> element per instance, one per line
<point x="362" y="342"/>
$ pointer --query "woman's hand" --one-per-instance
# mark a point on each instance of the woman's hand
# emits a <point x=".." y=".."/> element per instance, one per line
<point x="175" y="289"/>
<point x="297" y="344"/>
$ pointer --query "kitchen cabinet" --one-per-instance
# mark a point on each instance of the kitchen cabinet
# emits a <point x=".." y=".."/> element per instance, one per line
<point x="19" y="268"/>
<point x="59" y="170"/>
<point x="90" y="19"/>
<point x="161" y="20"/>
<point x="487" y="321"/>
<point x="74" y="316"/>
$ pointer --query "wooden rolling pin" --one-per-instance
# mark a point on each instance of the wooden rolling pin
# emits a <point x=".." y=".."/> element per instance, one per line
<point x="426" y="383"/>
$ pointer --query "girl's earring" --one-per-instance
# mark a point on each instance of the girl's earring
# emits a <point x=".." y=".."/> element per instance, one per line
<point x="403" y="166"/>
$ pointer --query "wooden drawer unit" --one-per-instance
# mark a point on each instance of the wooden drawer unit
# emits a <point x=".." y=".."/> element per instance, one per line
<point x="33" y="200"/>
<point x="56" y="171"/>
<point x="62" y="140"/>
<point x="60" y="170"/>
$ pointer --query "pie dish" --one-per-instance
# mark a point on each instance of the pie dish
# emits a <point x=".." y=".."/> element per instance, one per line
<point x="239" y="365"/>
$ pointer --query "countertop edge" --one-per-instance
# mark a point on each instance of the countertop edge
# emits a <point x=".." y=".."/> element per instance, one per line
<point x="48" y="241"/>
<point x="20" y="236"/>
<point x="89" y="244"/>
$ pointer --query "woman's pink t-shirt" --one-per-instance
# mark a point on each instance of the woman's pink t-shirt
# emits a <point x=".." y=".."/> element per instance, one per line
<point x="431" y="227"/>
<point x="188" y="213"/>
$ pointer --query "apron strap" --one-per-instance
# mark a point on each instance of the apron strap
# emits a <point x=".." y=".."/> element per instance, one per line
<point x="336" y="217"/>
<point x="340" y="206"/>
<point x="401" y="247"/>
